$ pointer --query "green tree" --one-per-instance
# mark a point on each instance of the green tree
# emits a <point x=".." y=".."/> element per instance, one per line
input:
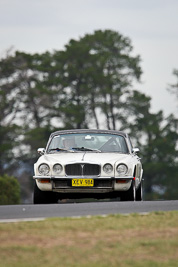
<point x="115" y="70"/>
<point x="9" y="190"/>
<point x="9" y="108"/>
<point x="98" y="71"/>
<point x="173" y="88"/>
<point x="157" y="137"/>
<point x="25" y="104"/>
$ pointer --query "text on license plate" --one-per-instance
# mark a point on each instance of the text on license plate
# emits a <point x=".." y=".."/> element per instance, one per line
<point x="82" y="182"/>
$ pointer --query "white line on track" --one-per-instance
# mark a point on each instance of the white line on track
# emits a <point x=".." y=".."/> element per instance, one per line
<point x="21" y="220"/>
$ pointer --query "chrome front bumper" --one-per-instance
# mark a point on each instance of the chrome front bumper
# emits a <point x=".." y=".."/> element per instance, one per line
<point x="101" y="184"/>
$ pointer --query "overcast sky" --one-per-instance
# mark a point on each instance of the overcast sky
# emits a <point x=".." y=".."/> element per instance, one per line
<point x="47" y="25"/>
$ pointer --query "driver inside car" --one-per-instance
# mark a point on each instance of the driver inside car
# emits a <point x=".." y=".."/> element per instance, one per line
<point x="68" y="143"/>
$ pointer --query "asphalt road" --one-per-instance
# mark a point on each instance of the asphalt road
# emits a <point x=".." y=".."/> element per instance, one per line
<point x="35" y="212"/>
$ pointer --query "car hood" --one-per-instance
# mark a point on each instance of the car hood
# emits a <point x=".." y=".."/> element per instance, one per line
<point x="89" y="157"/>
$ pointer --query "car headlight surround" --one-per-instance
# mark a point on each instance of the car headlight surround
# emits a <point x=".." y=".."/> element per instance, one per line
<point x="122" y="169"/>
<point x="107" y="168"/>
<point x="44" y="169"/>
<point x="57" y="168"/>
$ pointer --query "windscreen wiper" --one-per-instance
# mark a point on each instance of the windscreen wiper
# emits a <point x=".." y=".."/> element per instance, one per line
<point x="85" y="149"/>
<point x="60" y="149"/>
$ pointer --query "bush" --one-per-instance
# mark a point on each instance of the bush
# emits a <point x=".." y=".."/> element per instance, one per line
<point x="9" y="190"/>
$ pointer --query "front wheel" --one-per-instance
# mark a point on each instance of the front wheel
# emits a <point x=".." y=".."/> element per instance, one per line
<point x="129" y="195"/>
<point x="43" y="197"/>
<point x="139" y="195"/>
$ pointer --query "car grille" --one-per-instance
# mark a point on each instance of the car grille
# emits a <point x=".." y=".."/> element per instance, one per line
<point x="103" y="183"/>
<point x="82" y="169"/>
<point x="62" y="183"/>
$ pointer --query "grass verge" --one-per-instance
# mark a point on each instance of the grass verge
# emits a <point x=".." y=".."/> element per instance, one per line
<point x="115" y="240"/>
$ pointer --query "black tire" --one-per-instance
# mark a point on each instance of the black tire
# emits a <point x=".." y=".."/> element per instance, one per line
<point x="43" y="197"/>
<point x="139" y="193"/>
<point x="129" y="195"/>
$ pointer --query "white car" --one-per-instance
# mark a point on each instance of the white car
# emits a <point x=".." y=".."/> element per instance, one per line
<point x="88" y="164"/>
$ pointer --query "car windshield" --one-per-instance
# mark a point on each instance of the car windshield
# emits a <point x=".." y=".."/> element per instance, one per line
<point x="88" y="142"/>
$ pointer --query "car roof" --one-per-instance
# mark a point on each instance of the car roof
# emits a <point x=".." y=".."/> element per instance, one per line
<point x="88" y="131"/>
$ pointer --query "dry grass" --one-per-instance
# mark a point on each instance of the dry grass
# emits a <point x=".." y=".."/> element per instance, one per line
<point x="117" y="240"/>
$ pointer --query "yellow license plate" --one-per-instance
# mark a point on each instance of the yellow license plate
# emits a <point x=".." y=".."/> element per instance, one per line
<point x="82" y="182"/>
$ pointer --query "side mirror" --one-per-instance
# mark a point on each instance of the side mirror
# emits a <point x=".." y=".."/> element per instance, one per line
<point x="135" y="150"/>
<point x="41" y="151"/>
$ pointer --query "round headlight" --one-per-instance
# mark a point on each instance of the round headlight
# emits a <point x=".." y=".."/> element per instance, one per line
<point x="44" y="169"/>
<point x="122" y="169"/>
<point x="108" y="168"/>
<point x="57" y="168"/>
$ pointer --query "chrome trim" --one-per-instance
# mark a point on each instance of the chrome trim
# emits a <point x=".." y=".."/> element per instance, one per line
<point x="86" y="190"/>
<point x="124" y="177"/>
<point x="72" y="176"/>
<point x="80" y="177"/>
<point x="42" y="177"/>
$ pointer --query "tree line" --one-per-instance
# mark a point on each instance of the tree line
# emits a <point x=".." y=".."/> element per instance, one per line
<point x="89" y="84"/>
